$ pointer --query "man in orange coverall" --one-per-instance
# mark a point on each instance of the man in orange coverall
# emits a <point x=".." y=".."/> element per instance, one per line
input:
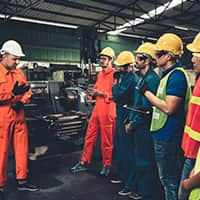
<point x="103" y="117"/>
<point x="14" y="93"/>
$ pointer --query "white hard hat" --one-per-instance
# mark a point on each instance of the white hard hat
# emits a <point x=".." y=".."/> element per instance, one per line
<point x="12" y="47"/>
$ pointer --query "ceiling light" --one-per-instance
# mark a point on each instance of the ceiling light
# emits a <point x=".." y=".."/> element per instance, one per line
<point x="137" y="36"/>
<point x="39" y="21"/>
<point x="182" y="28"/>
<point x="151" y="14"/>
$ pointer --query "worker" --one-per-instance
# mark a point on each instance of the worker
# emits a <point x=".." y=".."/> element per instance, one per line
<point x="190" y="186"/>
<point x="14" y="93"/>
<point x="125" y="82"/>
<point x="144" y="173"/>
<point x="170" y="107"/>
<point x="191" y="136"/>
<point x="103" y="117"/>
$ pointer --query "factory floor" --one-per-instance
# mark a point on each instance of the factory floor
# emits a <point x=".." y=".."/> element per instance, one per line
<point x="52" y="175"/>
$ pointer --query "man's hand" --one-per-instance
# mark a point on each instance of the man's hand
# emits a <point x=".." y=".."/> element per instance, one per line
<point x="192" y="173"/>
<point x="128" y="128"/>
<point x="18" y="106"/>
<point x="94" y="92"/>
<point x="99" y="93"/>
<point x="184" y="190"/>
<point x="17" y="90"/>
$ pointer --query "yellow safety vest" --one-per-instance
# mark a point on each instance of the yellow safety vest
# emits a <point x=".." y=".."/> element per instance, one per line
<point x="195" y="193"/>
<point x="159" y="118"/>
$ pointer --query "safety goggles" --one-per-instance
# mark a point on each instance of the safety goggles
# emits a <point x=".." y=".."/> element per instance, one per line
<point x="141" y="57"/>
<point x="161" y="53"/>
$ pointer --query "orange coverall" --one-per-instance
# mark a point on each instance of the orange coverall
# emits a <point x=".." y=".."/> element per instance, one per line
<point x="13" y="127"/>
<point x="102" y="119"/>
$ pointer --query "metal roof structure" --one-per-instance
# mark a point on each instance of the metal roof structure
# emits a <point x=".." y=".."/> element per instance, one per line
<point x="108" y="15"/>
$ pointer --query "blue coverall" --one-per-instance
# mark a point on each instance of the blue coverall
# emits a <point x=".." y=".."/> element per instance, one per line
<point x="123" y="95"/>
<point x="142" y="177"/>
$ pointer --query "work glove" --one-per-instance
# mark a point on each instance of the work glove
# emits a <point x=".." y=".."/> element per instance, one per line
<point x="20" y="89"/>
<point x="143" y="88"/>
<point x="18" y="106"/>
<point x="116" y="75"/>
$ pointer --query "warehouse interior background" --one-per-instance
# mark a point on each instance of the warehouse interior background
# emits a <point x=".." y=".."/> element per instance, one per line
<point x="75" y="31"/>
<point x="65" y="36"/>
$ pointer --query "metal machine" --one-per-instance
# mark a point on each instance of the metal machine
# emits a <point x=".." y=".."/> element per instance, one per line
<point x="57" y="111"/>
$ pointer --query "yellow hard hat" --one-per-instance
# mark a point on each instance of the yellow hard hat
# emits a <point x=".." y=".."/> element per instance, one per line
<point x="147" y="48"/>
<point x="195" y="45"/>
<point x="170" y="42"/>
<point x="196" y="54"/>
<point x="125" y="57"/>
<point x="108" y="52"/>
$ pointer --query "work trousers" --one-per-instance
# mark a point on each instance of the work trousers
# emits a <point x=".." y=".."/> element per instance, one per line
<point x="105" y="126"/>
<point x="15" y="133"/>
<point x="166" y="155"/>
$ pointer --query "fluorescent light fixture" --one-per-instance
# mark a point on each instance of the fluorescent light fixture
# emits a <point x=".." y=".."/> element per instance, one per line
<point x="151" y="14"/>
<point x="131" y="35"/>
<point x="100" y="30"/>
<point x="182" y="28"/>
<point x="151" y="38"/>
<point x="136" y="36"/>
<point x="39" y="21"/>
<point x="116" y="32"/>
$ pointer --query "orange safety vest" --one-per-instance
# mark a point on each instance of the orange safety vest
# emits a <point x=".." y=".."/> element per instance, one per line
<point x="191" y="137"/>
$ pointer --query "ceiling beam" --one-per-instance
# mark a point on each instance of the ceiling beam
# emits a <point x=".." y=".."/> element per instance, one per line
<point x="22" y="10"/>
<point x="114" y="12"/>
<point x="79" y="6"/>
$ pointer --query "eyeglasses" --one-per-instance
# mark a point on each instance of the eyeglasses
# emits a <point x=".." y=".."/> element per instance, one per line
<point x="141" y="57"/>
<point x="124" y="66"/>
<point x="103" y="58"/>
<point x="161" y="53"/>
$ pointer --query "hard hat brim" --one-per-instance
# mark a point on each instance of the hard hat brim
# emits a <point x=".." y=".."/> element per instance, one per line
<point x="14" y="54"/>
<point x="117" y="63"/>
<point x="158" y="48"/>
<point x="19" y="55"/>
<point x="196" y="54"/>
<point x="191" y="47"/>
<point x="122" y="64"/>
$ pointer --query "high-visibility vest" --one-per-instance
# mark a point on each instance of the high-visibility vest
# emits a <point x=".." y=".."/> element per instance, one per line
<point x="192" y="127"/>
<point x="159" y="118"/>
<point x="195" y="193"/>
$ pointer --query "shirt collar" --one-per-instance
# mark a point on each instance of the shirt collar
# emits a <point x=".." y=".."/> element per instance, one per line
<point x="108" y="70"/>
<point x="5" y="71"/>
<point x="144" y="75"/>
<point x="171" y="68"/>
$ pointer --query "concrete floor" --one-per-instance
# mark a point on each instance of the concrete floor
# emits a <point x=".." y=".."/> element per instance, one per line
<point x="52" y="175"/>
<point x="57" y="183"/>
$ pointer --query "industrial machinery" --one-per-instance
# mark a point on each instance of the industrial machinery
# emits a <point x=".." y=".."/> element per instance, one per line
<point x="57" y="110"/>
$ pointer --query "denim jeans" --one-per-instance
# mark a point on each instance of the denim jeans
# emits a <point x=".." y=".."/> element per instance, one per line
<point x="166" y="155"/>
<point x="188" y="166"/>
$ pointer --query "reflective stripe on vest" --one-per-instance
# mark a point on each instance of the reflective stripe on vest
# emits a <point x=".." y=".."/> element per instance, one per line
<point x="195" y="193"/>
<point x="159" y="118"/>
<point x="193" y="134"/>
<point x="195" y="100"/>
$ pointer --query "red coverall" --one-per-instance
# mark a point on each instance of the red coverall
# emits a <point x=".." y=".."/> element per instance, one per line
<point x="12" y="125"/>
<point x="102" y="119"/>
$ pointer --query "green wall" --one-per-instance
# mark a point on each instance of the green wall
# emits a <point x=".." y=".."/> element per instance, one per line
<point x="53" y="44"/>
<point x="119" y="43"/>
